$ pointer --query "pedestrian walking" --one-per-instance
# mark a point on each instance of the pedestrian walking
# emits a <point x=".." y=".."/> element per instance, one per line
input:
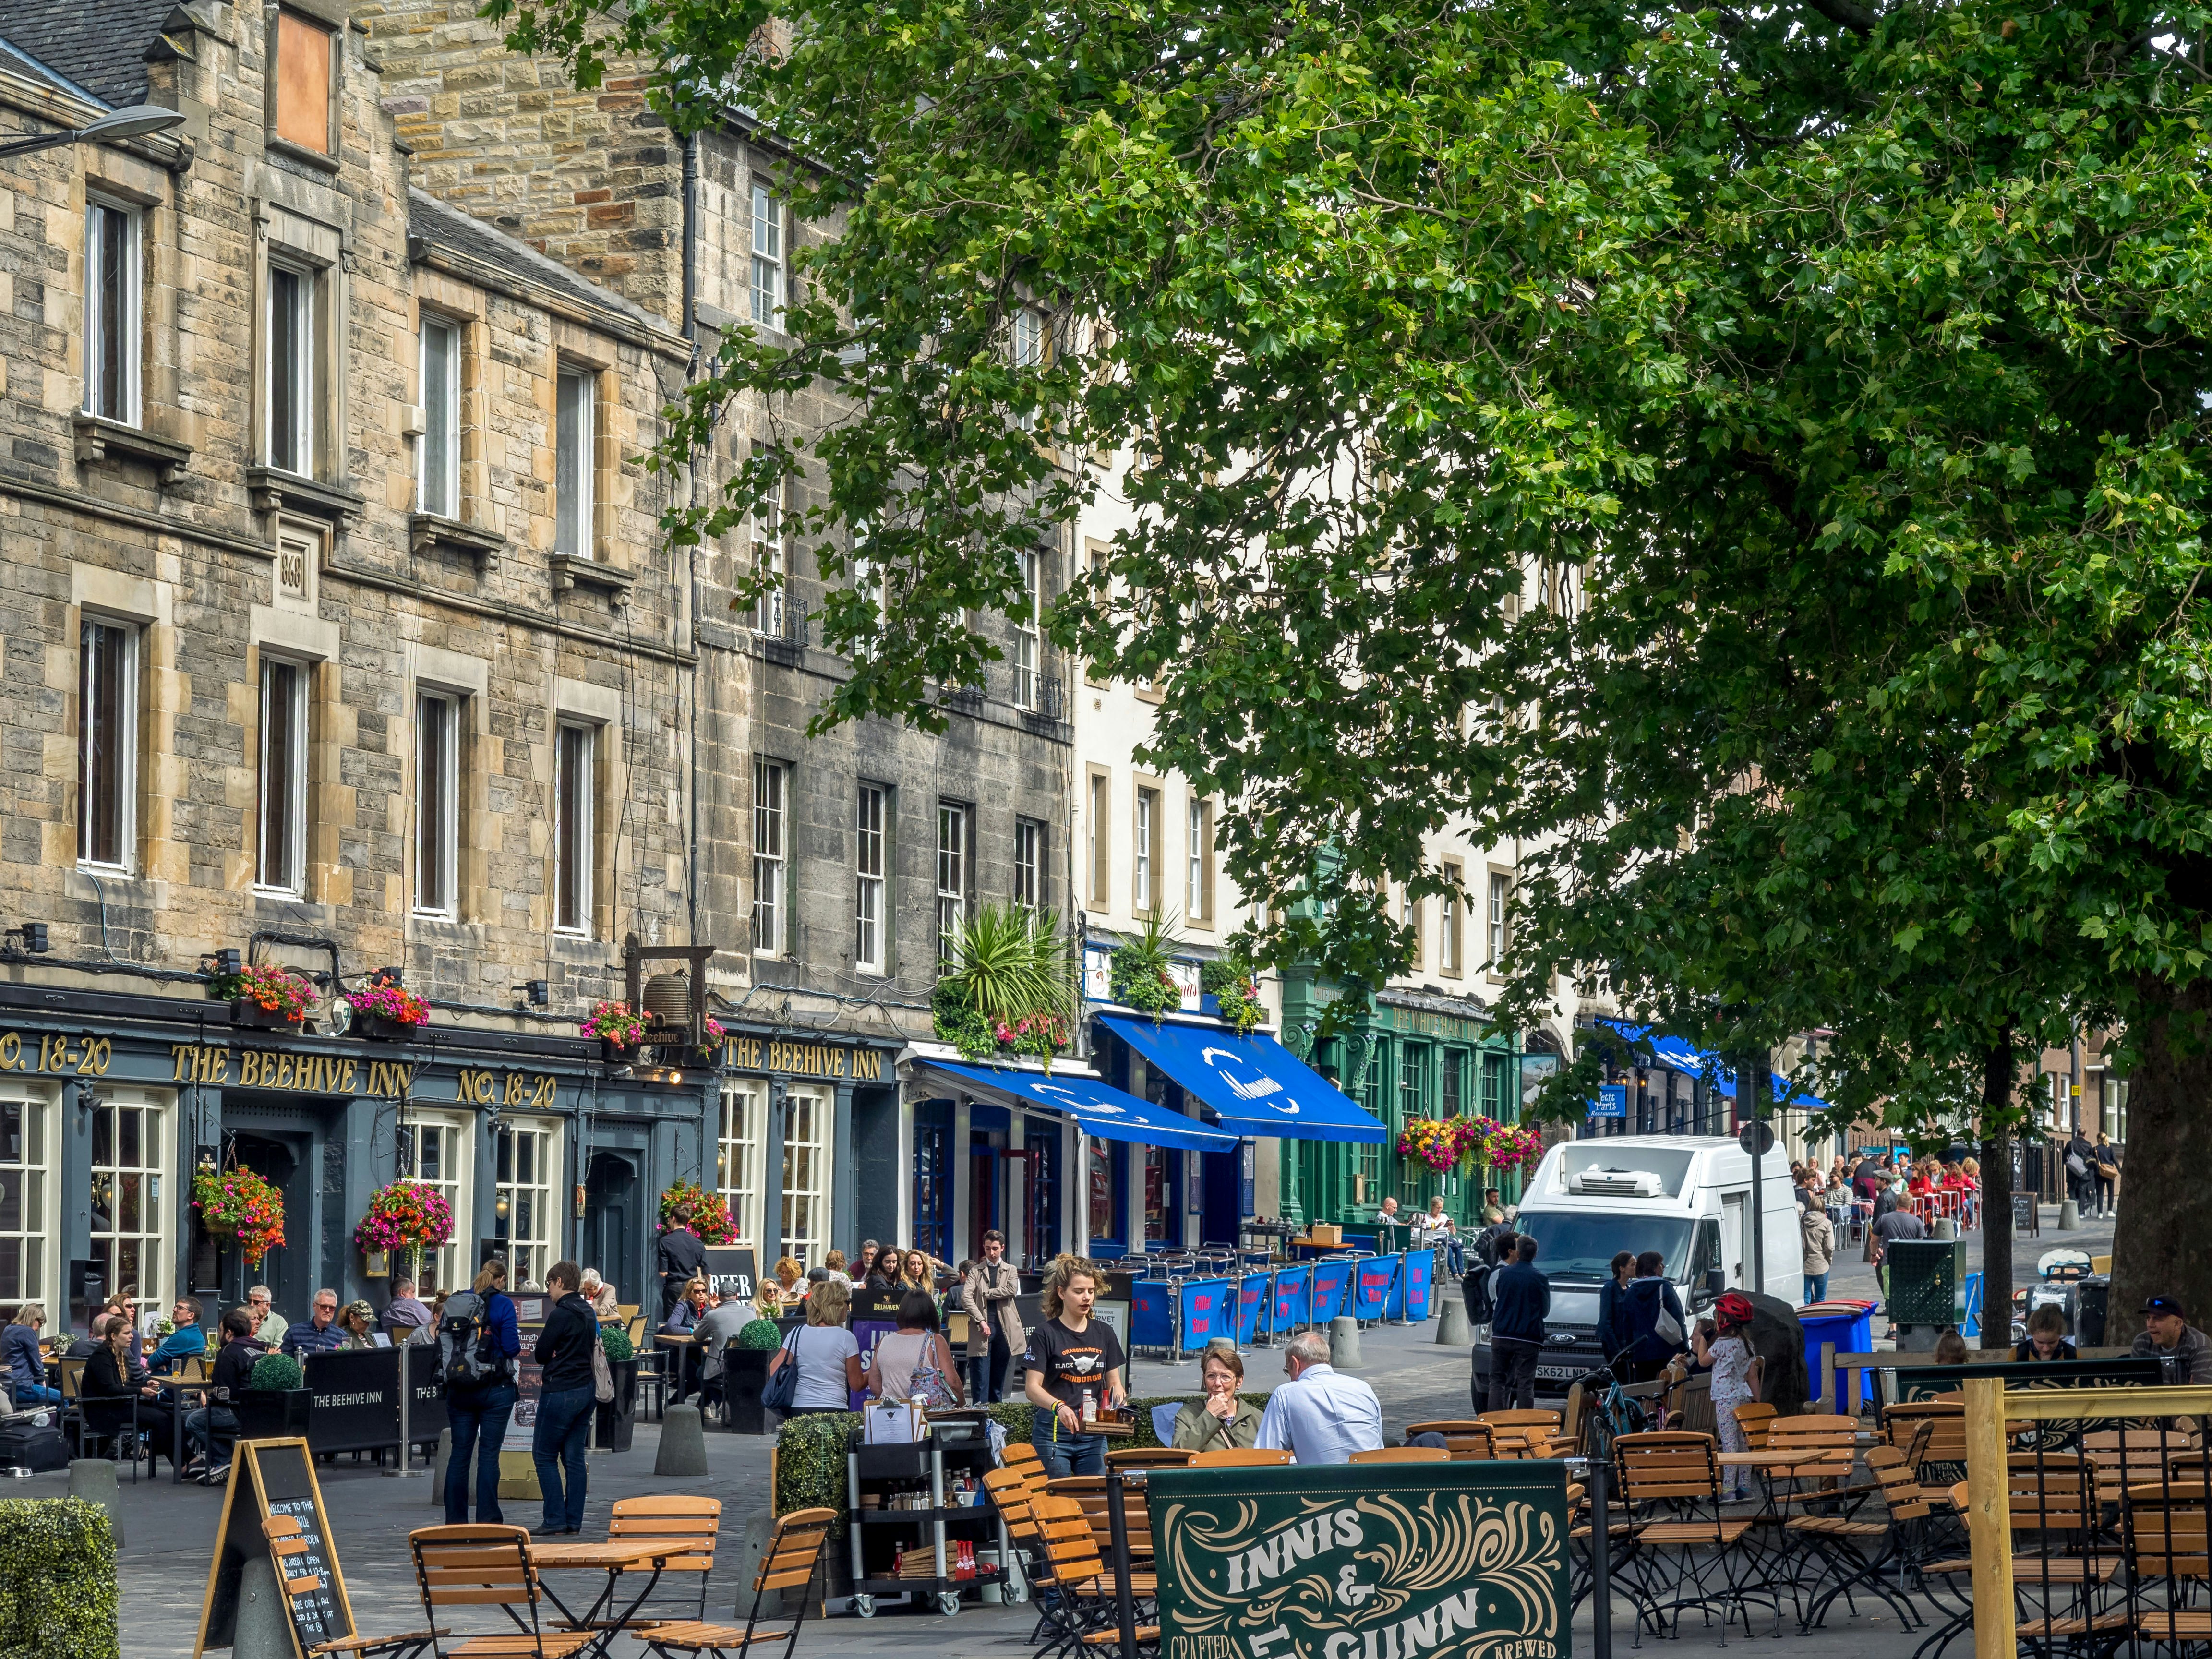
<point x="565" y="1400"/>
<point x="1655" y="1323"/>
<point x="1735" y="1382"/>
<point x="478" y="1342"/>
<point x="2106" y="1168"/>
<point x="1816" y="1234"/>
<point x="1889" y="1226"/>
<point x="1521" y="1297"/>
<point x="995" y="1324"/>
<point x="1613" y="1332"/>
<point x="1320" y="1415"/>
<point x="2080" y="1183"/>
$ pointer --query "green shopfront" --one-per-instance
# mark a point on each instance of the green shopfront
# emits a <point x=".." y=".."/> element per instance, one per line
<point x="1414" y="1054"/>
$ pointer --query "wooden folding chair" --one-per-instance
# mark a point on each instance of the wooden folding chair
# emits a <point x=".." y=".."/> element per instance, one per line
<point x="2164" y="1530"/>
<point x="1670" y="1481"/>
<point x="672" y="1516"/>
<point x="1403" y="1454"/>
<point x="2051" y="1496"/>
<point x="1089" y="1491"/>
<point x="1755" y="1417"/>
<point x="1856" y="1548"/>
<point x="487" y="1566"/>
<point x="1149" y="1457"/>
<point x="1084" y="1586"/>
<point x="1469" y="1443"/>
<point x="1241" y="1457"/>
<point x="295" y="1578"/>
<point x="1522" y="1434"/>
<point x="790" y="1560"/>
<point x="1448" y="1427"/>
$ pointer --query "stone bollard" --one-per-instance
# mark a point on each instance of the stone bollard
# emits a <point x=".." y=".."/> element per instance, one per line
<point x="1451" y="1324"/>
<point x="438" y="1467"/>
<point x="758" y="1525"/>
<point x="1344" y="1343"/>
<point x="2070" y="1216"/>
<point x="92" y="1478"/>
<point x="1946" y="1228"/>
<point x="682" y="1443"/>
<point x="264" y="1627"/>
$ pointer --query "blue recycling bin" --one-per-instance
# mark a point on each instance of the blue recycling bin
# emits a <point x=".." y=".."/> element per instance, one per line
<point x="1850" y="1330"/>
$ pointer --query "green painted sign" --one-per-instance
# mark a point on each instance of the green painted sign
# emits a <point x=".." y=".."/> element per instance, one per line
<point x="1378" y="1561"/>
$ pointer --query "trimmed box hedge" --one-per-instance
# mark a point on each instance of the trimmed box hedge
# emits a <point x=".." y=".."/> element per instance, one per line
<point x="57" y="1580"/>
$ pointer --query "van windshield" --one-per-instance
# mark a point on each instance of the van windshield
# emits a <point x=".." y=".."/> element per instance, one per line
<point x="1583" y="1244"/>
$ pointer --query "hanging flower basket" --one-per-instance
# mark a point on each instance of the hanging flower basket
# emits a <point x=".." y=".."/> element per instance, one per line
<point x="404" y="1218"/>
<point x="384" y="1010"/>
<point x="690" y="1207"/>
<point x="237" y="1204"/>
<point x="619" y="1027"/>
<point x="265" y="996"/>
<point x="711" y="1048"/>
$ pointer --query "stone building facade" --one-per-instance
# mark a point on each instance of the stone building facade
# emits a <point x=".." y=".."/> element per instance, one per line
<point x="340" y="634"/>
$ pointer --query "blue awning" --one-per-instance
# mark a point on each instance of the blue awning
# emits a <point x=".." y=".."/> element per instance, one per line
<point x="1679" y="1056"/>
<point x="1257" y="1086"/>
<point x="1100" y="1109"/>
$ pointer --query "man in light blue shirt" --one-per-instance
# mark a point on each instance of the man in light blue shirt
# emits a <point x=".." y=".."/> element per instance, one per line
<point x="1320" y="1415"/>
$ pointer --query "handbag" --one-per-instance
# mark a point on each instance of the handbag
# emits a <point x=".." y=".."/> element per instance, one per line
<point x="778" y="1392"/>
<point x="929" y="1386"/>
<point x="602" y="1376"/>
<point x="2075" y="1166"/>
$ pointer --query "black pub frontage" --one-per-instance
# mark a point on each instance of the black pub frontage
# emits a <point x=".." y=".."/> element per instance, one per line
<point x="109" y="1103"/>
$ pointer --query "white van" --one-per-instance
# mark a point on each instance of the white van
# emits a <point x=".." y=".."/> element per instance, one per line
<point x="1687" y="1197"/>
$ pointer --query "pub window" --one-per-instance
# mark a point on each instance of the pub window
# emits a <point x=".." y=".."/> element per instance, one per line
<point x="439" y="461"/>
<point x="281" y="862"/>
<point x="437" y="803"/>
<point x="434" y="1152"/>
<point x="107" y="744"/>
<point x="1028" y="863"/>
<point x="1097" y="830"/>
<point x="112" y="312"/>
<point x="805" y="1176"/>
<point x="524" y="1217"/>
<point x="736" y="1164"/>
<point x="290" y="395"/>
<point x="868" y="880"/>
<point x="127" y="1207"/>
<point x="26" y="1170"/>
<point x="1496" y="920"/>
<point x="1414" y="1081"/>
<point x="1148" y="849"/>
<point x="573" y="427"/>
<point x="1455" y="1063"/>
<point x="952" y="827"/>
<point x="574" y="768"/>
<point x="1449" y="926"/>
<point x="303" y="82"/>
<point x="769" y="778"/>
<point x="768" y="258"/>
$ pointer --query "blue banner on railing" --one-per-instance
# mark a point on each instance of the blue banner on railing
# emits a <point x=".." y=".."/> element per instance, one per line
<point x="1208" y="1312"/>
<point x="1251" y="1299"/>
<point x="1150" y="1324"/>
<point x="1371" y="1286"/>
<point x="1331" y="1279"/>
<point x="1293" y="1298"/>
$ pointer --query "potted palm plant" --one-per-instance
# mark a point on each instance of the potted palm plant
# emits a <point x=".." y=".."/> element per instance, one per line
<point x="1141" y="970"/>
<point x="1007" y="988"/>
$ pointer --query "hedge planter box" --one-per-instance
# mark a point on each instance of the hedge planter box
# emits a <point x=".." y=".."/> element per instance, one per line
<point x="245" y="1011"/>
<point x="744" y="1374"/>
<point x="617" y="1418"/>
<point x="377" y="1029"/>
<point x="270" y="1414"/>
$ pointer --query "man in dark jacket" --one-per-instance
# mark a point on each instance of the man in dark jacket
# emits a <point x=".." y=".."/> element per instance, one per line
<point x="2182" y="1351"/>
<point x="565" y="1398"/>
<point x="2081" y="1162"/>
<point x="210" y="1430"/>
<point x="682" y="1256"/>
<point x="1522" y="1297"/>
<point x="1649" y="1296"/>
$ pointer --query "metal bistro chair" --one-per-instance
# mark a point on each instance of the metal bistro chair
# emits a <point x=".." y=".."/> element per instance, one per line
<point x="297" y="1578"/>
<point x="1084" y="1585"/>
<point x="651" y="1367"/>
<point x="1677" y="1476"/>
<point x="696" y="1521"/>
<point x="789" y="1561"/>
<point x="487" y="1567"/>
<point x="2164" y="1528"/>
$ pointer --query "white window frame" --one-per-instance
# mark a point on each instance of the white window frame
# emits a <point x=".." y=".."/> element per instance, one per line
<point x="1098" y="847"/>
<point x="1494" y="923"/>
<point x="34" y="1166"/>
<point x="300" y="463"/>
<point x="1028" y="863"/>
<point x="151" y="1168"/>
<point x="443" y="1269"/>
<point x="575" y="427"/>
<point x="768" y="254"/>
<point x="770" y="551"/>
<point x="585" y="831"/>
<point x="871" y="878"/>
<point x="806" y="1197"/>
<point x="1028" y="645"/>
<point x="1448" y="945"/>
<point x="1145" y="886"/>
<point x="1409" y="915"/>
<point x="1027" y="340"/>
<point x="89" y="796"/>
<point x="271" y="875"/>
<point x="740" y="1125"/>
<point x="528" y="1255"/>
<point x="441" y="900"/>
<point x="771" y="851"/>
<point x="955" y="847"/>
<point x="438" y="490"/>
<point x="97" y="392"/>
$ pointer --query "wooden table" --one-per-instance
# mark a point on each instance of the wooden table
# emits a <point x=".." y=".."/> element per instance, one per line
<point x="614" y="1558"/>
<point x="1800" y="1464"/>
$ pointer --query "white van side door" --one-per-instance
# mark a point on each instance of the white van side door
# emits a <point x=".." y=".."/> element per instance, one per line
<point x="1733" y="1242"/>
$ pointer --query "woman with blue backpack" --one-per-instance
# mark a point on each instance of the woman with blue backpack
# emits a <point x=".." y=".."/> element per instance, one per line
<point x="478" y="1341"/>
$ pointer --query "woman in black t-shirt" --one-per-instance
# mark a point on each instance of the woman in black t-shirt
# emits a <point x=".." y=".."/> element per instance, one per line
<point x="1071" y="1352"/>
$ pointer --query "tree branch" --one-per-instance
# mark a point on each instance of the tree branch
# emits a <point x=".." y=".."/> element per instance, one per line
<point x="1858" y="19"/>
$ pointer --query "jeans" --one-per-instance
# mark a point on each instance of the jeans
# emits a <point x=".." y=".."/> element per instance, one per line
<point x="1512" y="1373"/>
<point x="2105" y="1185"/>
<point x="478" y="1419"/>
<point x="32" y="1393"/>
<point x="1067" y="1453"/>
<point x="564" y="1420"/>
<point x="987" y="1373"/>
<point x="1816" y="1287"/>
<point x="204" y="1427"/>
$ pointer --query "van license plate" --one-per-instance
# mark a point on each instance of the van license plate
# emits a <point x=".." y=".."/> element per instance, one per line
<point x="1561" y="1373"/>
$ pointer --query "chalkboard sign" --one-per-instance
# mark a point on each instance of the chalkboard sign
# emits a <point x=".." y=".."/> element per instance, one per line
<point x="732" y="1271"/>
<point x="275" y="1477"/>
<point x="2023" y="1213"/>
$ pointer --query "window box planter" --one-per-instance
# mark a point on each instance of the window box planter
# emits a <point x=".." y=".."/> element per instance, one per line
<point x="271" y="1413"/>
<point x="245" y="1011"/>
<point x="375" y="1028"/>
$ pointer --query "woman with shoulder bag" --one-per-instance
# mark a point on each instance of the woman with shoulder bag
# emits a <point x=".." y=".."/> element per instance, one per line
<point x="915" y="1363"/>
<point x="818" y="1368"/>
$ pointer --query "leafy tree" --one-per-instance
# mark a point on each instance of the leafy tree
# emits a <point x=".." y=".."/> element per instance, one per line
<point x="1836" y="369"/>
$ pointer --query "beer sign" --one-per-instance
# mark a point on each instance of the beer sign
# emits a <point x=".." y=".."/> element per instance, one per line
<point x="1375" y="1561"/>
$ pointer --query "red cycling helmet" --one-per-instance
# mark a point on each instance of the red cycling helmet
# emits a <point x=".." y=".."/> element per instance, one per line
<point x="1733" y="1308"/>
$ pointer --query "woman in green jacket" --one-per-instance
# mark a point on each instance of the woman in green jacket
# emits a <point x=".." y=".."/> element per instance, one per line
<point x="1220" y="1421"/>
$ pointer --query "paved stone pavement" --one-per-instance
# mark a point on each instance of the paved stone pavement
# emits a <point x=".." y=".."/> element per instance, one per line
<point x="169" y="1530"/>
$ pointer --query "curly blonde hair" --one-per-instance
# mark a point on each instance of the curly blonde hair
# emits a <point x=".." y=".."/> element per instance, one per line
<point x="1065" y="1270"/>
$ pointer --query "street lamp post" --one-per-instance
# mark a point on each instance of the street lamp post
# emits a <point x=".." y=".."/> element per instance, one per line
<point x="135" y="122"/>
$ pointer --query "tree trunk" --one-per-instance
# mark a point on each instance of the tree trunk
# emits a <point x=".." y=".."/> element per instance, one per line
<point x="1997" y="1200"/>
<point x="2163" y="1246"/>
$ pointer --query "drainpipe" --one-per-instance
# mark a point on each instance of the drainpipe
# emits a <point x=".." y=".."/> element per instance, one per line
<point x="692" y="555"/>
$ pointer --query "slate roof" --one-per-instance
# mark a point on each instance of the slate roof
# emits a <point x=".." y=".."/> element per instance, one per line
<point x="100" y="46"/>
<point x="447" y="226"/>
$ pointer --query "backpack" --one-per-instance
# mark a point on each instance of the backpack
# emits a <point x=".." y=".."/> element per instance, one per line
<point x="466" y="1356"/>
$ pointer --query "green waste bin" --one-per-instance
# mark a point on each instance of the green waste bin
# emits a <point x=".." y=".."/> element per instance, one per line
<point x="1926" y="1281"/>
